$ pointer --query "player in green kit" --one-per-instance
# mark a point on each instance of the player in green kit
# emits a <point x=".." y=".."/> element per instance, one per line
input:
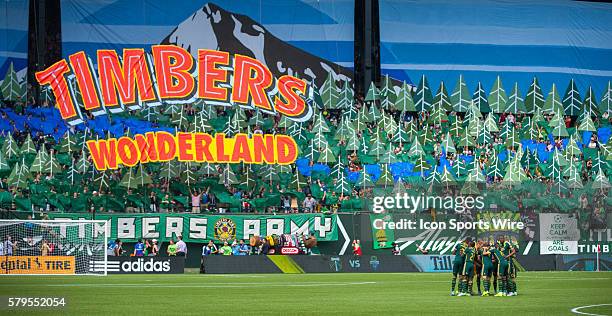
<point x="487" y="267"/>
<point x="512" y="268"/>
<point x="478" y="265"/>
<point x="467" y="272"/>
<point x="457" y="263"/>
<point x="502" y="270"/>
<point x="508" y="252"/>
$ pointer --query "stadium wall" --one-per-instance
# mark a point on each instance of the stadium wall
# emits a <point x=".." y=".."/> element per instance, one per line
<point x="308" y="264"/>
<point x="386" y="263"/>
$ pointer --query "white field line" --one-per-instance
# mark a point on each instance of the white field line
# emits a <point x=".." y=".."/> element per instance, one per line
<point x="211" y="285"/>
<point x="576" y="310"/>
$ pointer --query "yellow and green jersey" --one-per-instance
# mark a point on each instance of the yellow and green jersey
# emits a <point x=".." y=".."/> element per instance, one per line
<point x="469" y="254"/>
<point x="506" y="248"/>
<point x="499" y="256"/>
<point x="485" y="254"/>
<point x="515" y="245"/>
<point x="459" y="248"/>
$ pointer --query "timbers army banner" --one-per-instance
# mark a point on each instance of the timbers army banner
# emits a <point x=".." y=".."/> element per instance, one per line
<point x="201" y="228"/>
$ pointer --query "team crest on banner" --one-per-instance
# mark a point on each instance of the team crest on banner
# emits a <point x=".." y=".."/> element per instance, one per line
<point x="225" y="229"/>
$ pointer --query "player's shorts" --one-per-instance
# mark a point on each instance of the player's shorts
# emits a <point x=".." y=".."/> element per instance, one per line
<point x="487" y="270"/>
<point x="457" y="266"/>
<point x="502" y="269"/>
<point x="511" y="268"/>
<point x="468" y="269"/>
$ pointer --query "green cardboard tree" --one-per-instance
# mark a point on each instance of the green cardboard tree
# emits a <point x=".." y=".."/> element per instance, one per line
<point x="480" y="99"/>
<point x="497" y="97"/>
<point x="442" y="100"/>
<point x="404" y="102"/>
<point x="589" y="104"/>
<point x="423" y="97"/>
<point x="461" y="98"/>
<point x="572" y="102"/>
<point x="605" y="105"/>
<point x="515" y="102"/>
<point x="329" y="92"/>
<point x="373" y="94"/>
<point x="553" y="102"/>
<point x="534" y="99"/>
<point x="10" y="88"/>
<point x="28" y="147"/>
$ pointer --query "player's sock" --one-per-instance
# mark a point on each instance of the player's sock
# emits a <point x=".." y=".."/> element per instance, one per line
<point x="471" y="287"/>
<point x="495" y="280"/>
<point x="501" y="285"/>
<point x="487" y="284"/>
<point x="453" y="283"/>
<point x="514" y="286"/>
<point x="478" y="284"/>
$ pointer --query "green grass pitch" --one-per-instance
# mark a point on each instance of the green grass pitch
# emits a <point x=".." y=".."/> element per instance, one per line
<point x="540" y="293"/>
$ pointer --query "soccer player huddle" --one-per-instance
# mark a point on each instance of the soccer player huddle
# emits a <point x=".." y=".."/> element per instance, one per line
<point x="489" y="262"/>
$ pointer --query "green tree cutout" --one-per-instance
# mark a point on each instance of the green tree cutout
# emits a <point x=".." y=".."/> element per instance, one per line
<point x="553" y="102"/>
<point x="605" y="105"/>
<point x="534" y="100"/>
<point x="10" y="88"/>
<point x="423" y="98"/>
<point x="461" y="98"/>
<point x="515" y="102"/>
<point x="497" y="97"/>
<point x="572" y="102"/>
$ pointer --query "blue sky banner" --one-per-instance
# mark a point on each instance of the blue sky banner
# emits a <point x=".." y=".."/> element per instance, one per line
<point x="13" y="35"/>
<point x="517" y="40"/>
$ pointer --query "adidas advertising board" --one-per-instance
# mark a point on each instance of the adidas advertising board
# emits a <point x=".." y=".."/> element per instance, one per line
<point x="140" y="265"/>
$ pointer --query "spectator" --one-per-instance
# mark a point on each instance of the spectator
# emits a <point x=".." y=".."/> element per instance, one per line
<point x="356" y="248"/>
<point x="153" y="202"/>
<point x="207" y="250"/>
<point x="226" y="250"/>
<point x="243" y="249"/>
<point x="235" y="249"/>
<point x="44" y="248"/>
<point x="396" y="250"/>
<point x="210" y="249"/>
<point x="165" y="203"/>
<point x="118" y="248"/>
<point x="154" y="248"/>
<point x="195" y="201"/>
<point x="286" y="204"/>
<point x="265" y="246"/>
<point x="205" y="198"/>
<point x="9" y="246"/>
<point x="139" y="248"/>
<point x="181" y="247"/>
<point x="309" y="204"/>
<point x="171" y="249"/>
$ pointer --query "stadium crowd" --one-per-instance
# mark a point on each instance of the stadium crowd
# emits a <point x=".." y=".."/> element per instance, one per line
<point x="347" y="156"/>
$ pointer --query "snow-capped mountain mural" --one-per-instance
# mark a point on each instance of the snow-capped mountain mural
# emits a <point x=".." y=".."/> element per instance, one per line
<point x="212" y="27"/>
<point x="301" y="37"/>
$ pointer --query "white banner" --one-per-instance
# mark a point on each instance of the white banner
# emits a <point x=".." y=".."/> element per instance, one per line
<point x="558" y="247"/>
<point x="559" y="234"/>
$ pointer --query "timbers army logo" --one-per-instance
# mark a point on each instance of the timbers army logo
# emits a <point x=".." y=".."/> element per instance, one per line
<point x="225" y="229"/>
